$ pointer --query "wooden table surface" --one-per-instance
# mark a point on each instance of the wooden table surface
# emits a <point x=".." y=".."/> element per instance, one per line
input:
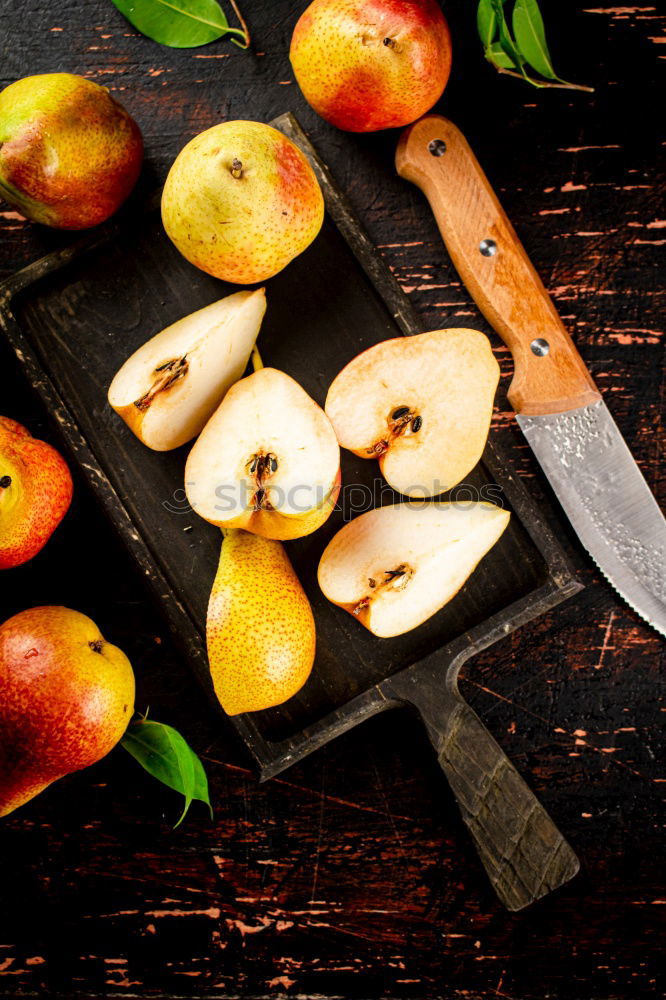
<point x="352" y="875"/>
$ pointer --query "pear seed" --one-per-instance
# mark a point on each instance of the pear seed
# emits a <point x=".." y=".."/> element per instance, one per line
<point x="402" y="411"/>
<point x="5" y="482"/>
<point x="417" y="423"/>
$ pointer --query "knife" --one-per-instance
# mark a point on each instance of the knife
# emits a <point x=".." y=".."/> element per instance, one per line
<point x="558" y="406"/>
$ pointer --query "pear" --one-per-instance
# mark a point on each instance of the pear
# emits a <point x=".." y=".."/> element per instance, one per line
<point x="166" y="391"/>
<point x="69" y="153"/>
<point x="241" y="201"/>
<point x="66" y="698"/>
<point x="35" y="493"/>
<point x="260" y="629"/>
<point x="422" y="405"/>
<point x="371" y="64"/>
<point x="394" y="567"/>
<point x="267" y="460"/>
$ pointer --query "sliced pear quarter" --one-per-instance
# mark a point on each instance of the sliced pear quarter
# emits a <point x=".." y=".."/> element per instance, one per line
<point x="166" y="391"/>
<point x="267" y="453"/>
<point x="394" y="567"/>
<point x="422" y="405"/>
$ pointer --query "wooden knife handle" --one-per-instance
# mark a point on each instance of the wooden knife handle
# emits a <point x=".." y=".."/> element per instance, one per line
<point x="550" y="376"/>
<point x="523" y="852"/>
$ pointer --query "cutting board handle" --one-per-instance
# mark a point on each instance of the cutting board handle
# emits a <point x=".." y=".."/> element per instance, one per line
<point x="550" y="376"/>
<point x="523" y="852"/>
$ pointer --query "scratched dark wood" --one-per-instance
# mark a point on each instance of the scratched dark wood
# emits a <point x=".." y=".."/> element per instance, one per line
<point x="350" y="875"/>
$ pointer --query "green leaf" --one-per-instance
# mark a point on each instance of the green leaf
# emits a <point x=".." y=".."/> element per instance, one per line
<point x="163" y="752"/>
<point x="486" y="23"/>
<point x="505" y="40"/>
<point x="498" y="57"/>
<point x="181" y="24"/>
<point x="530" y="36"/>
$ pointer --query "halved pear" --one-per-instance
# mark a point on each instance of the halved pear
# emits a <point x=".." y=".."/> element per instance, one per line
<point x="422" y="405"/>
<point x="394" y="567"/>
<point x="166" y="391"/>
<point x="267" y="460"/>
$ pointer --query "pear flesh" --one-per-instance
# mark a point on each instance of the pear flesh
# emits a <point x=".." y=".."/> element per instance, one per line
<point x="267" y="461"/>
<point x="260" y="629"/>
<point x="421" y="405"/>
<point x="394" y="567"/>
<point x="166" y="391"/>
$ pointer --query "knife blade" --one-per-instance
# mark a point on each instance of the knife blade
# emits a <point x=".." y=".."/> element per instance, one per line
<point x="558" y="406"/>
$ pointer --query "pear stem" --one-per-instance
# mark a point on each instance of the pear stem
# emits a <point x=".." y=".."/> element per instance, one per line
<point x="5" y="482"/>
<point x="257" y="363"/>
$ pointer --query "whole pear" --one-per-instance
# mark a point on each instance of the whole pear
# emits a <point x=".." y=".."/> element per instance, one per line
<point x="260" y="629"/>
<point x="66" y="698"/>
<point x="35" y="493"/>
<point x="365" y="65"/>
<point x="241" y="201"/>
<point x="69" y="153"/>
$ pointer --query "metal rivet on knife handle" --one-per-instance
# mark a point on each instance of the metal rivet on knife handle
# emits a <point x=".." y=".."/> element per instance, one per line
<point x="488" y="248"/>
<point x="437" y="147"/>
<point x="540" y="347"/>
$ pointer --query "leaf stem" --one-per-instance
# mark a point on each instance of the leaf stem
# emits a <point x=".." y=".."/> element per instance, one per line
<point x="241" y="21"/>
<point x="544" y="83"/>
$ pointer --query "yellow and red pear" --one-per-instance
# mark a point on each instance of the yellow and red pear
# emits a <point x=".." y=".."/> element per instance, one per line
<point x="267" y="460"/>
<point x="66" y="698"/>
<point x="394" y="567"/>
<point x="365" y="65"/>
<point x="69" y="153"/>
<point x="260" y="630"/>
<point x="35" y="493"/>
<point x="422" y="405"/>
<point x="241" y="201"/>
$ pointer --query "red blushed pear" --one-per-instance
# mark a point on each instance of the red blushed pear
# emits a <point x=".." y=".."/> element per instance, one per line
<point x="69" y="153"/>
<point x="365" y="65"/>
<point x="35" y="493"/>
<point x="241" y="201"/>
<point x="66" y="698"/>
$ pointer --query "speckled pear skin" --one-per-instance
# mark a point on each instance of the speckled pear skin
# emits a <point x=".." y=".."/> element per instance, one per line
<point x="69" y="153"/>
<point x="37" y="498"/>
<point x="66" y="698"/>
<point x="260" y="628"/>
<point x="241" y="223"/>
<point x="365" y="65"/>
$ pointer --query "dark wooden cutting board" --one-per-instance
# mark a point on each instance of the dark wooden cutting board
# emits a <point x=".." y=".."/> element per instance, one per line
<point x="75" y="316"/>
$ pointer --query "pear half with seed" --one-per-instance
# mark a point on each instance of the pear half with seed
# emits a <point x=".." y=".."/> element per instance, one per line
<point x="267" y="460"/>
<point x="421" y="405"/>
<point x="166" y="391"/>
<point x="394" y="567"/>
